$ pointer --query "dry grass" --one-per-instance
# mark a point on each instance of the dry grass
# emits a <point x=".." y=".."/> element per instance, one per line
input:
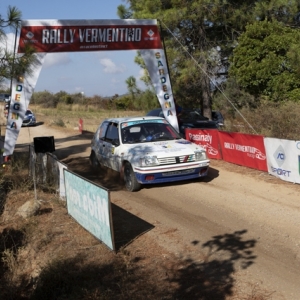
<point x="276" y="120"/>
<point x="68" y="115"/>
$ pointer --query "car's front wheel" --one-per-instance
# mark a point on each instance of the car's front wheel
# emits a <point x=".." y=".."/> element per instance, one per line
<point x="131" y="183"/>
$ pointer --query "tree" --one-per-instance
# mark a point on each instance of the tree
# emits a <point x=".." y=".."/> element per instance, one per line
<point x="194" y="31"/>
<point x="132" y="87"/>
<point x="12" y="65"/>
<point x="266" y="60"/>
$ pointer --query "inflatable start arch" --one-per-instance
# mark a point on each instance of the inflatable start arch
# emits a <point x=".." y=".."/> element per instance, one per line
<point x="49" y="36"/>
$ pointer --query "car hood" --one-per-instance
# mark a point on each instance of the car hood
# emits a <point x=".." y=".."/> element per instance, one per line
<point x="163" y="148"/>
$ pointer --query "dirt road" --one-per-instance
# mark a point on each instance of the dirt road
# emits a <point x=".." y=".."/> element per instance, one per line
<point x="239" y="226"/>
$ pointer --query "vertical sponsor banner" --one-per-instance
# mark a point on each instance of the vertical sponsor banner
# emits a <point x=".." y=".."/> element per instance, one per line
<point x="22" y="89"/>
<point x="283" y="159"/>
<point x="90" y="206"/>
<point x="243" y="149"/>
<point x="156" y="64"/>
<point x="208" y="139"/>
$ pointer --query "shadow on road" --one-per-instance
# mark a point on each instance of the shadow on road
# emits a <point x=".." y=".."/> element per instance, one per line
<point x="213" y="278"/>
<point x="125" y="276"/>
<point x="127" y="227"/>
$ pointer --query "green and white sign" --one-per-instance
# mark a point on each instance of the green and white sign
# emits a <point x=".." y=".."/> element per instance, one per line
<point x="90" y="206"/>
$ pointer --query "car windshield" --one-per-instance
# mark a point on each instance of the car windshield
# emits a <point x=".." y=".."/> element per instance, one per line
<point x="149" y="131"/>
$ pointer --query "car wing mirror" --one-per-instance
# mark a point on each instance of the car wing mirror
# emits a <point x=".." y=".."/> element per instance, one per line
<point x="116" y="142"/>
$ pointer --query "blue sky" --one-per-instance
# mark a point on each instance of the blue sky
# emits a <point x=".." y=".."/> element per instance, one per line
<point x="100" y="73"/>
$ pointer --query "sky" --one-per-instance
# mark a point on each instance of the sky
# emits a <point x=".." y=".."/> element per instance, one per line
<point x="100" y="73"/>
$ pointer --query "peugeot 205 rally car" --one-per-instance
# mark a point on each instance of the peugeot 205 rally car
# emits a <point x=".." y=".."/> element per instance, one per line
<point x="146" y="150"/>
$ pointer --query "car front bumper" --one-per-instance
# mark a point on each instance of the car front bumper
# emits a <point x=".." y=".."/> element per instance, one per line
<point x="171" y="173"/>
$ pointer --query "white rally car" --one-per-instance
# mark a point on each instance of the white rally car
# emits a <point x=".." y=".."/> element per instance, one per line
<point x="146" y="150"/>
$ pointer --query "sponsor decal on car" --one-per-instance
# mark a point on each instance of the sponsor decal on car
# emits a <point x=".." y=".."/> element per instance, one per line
<point x="183" y="142"/>
<point x="131" y="123"/>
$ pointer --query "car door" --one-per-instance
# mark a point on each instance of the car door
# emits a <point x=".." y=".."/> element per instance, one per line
<point x="110" y="144"/>
<point x="99" y="142"/>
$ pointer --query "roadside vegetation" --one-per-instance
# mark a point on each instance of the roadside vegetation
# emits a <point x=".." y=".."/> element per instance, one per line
<point x="270" y="119"/>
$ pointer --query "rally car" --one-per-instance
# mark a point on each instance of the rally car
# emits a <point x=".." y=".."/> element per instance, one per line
<point x="146" y="150"/>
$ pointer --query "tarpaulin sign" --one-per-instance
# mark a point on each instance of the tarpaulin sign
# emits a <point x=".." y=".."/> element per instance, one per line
<point x="208" y="139"/>
<point x="244" y="149"/>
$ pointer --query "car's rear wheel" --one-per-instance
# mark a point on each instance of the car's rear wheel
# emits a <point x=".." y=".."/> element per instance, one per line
<point x="94" y="161"/>
<point x="131" y="182"/>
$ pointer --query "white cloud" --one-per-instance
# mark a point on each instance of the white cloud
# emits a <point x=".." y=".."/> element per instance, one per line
<point x="54" y="59"/>
<point x="9" y="42"/>
<point x="110" y="67"/>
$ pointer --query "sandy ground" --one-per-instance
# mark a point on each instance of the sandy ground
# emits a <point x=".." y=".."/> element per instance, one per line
<point x="238" y="223"/>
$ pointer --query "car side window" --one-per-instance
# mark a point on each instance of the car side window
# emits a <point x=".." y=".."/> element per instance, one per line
<point x="103" y="130"/>
<point x="112" y="132"/>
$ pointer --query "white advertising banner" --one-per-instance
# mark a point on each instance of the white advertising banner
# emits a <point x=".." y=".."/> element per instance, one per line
<point x="283" y="159"/>
<point x="22" y="89"/>
<point x="51" y="36"/>
<point x="156" y="64"/>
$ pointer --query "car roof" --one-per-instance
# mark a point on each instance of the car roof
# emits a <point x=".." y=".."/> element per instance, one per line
<point x="129" y="119"/>
<point x="154" y="112"/>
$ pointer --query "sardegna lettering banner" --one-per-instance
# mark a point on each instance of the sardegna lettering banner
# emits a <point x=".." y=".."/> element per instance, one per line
<point x="51" y="36"/>
<point x="283" y="159"/>
<point x="243" y="149"/>
<point x="208" y="139"/>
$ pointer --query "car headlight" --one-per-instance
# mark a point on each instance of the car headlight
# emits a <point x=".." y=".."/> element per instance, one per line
<point x="148" y="161"/>
<point x="200" y="155"/>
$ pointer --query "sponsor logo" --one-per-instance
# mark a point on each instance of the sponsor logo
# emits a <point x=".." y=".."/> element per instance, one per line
<point x="279" y="156"/>
<point x="29" y="35"/>
<point x="210" y="150"/>
<point x="160" y="143"/>
<point x="151" y="37"/>
<point x="200" y="137"/>
<point x="298" y="145"/>
<point x="183" y="142"/>
<point x="150" y="33"/>
<point x="281" y="172"/>
<point x="251" y="151"/>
